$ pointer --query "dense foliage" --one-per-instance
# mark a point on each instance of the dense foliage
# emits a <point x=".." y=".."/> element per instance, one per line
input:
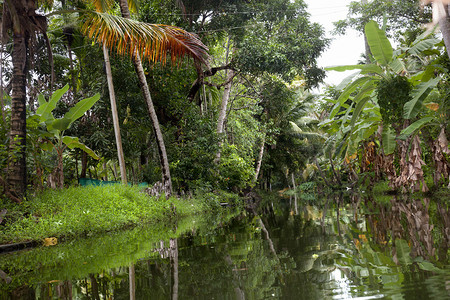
<point x="240" y="118"/>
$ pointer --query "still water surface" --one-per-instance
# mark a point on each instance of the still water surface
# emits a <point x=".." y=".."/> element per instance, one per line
<point x="338" y="248"/>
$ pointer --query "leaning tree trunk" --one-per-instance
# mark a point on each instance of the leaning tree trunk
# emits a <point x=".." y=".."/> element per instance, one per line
<point x="166" y="178"/>
<point x="112" y="97"/>
<point x="17" y="180"/>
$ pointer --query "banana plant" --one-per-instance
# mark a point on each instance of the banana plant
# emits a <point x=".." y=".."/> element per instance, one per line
<point x="358" y="108"/>
<point x="53" y="137"/>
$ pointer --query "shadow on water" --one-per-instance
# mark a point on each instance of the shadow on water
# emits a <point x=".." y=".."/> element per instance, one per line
<point x="336" y="248"/>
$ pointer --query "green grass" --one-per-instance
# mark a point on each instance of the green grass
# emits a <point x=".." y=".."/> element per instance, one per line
<point x="89" y="210"/>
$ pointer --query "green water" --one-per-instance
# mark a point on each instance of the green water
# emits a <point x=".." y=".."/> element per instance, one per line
<point x="336" y="248"/>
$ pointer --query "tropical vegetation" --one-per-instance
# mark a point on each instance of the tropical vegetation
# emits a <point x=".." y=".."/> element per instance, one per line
<point x="221" y="98"/>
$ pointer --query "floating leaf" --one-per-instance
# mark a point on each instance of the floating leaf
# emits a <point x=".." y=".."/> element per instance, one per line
<point x="50" y="241"/>
<point x="432" y="106"/>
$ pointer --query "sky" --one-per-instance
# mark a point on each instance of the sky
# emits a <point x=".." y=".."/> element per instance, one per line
<point x="344" y="49"/>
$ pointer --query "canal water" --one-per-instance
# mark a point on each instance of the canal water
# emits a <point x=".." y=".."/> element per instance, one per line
<point x="340" y="247"/>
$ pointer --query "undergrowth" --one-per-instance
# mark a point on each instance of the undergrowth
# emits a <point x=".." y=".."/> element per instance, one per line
<point x="88" y="210"/>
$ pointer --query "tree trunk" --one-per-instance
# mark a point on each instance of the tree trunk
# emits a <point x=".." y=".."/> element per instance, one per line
<point x="2" y="105"/>
<point x="174" y="257"/>
<point x="72" y="72"/>
<point x="260" y="157"/>
<point x="112" y="97"/>
<point x="59" y="171"/>
<point x="84" y="160"/>
<point x="166" y="178"/>
<point x="132" y="279"/>
<point x="17" y="180"/>
<point x="444" y="24"/>
<point x="223" y="106"/>
<point x="367" y="51"/>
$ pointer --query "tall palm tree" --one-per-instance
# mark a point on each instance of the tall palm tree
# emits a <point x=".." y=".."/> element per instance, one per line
<point x="126" y="36"/>
<point x="19" y="19"/>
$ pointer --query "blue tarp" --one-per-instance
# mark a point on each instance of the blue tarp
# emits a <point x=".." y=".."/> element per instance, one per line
<point x="96" y="182"/>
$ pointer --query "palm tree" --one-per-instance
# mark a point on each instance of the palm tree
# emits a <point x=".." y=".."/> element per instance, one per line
<point x="126" y="36"/>
<point x="20" y="19"/>
<point x="131" y="38"/>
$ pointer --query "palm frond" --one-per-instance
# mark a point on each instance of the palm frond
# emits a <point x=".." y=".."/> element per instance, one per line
<point x="133" y="5"/>
<point x="101" y="5"/>
<point x="152" y="41"/>
<point x="300" y="133"/>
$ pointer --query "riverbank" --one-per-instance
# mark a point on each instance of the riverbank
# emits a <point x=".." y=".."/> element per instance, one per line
<point x="55" y="215"/>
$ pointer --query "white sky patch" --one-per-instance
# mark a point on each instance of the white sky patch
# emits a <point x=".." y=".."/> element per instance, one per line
<point x="344" y="49"/>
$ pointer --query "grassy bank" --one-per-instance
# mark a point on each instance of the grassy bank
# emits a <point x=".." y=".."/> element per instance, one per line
<point x="79" y="211"/>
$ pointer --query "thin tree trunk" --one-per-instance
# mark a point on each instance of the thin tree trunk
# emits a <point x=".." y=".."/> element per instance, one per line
<point x="444" y="24"/>
<point x="112" y="97"/>
<point x="224" y="104"/>
<point x="260" y="157"/>
<point x="174" y="256"/>
<point x="166" y="178"/>
<point x="74" y="82"/>
<point x="367" y="51"/>
<point x="2" y="105"/>
<point x="17" y="180"/>
<point x="295" y="193"/>
<point x="132" y="279"/>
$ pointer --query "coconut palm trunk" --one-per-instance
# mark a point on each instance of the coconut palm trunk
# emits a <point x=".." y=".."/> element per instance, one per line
<point x="112" y="97"/>
<point x="17" y="181"/>
<point x="166" y="178"/>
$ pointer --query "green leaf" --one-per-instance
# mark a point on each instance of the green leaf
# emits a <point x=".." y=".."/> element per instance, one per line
<point x="397" y="66"/>
<point x="427" y="266"/>
<point x="420" y="93"/>
<point x="388" y="138"/>
<point x="422" y="46"/>
<point x="81" y="107"/>
<point x="347" y="80"/>
<point x="403" y="252"/>
<point x="59" y="124"/>
<point x="365" y="69"/>
<point x="73" y="142"/>
<point x="405" y="133"/>
<point x="45" y="108"/>
<point x="46" y="146"/>
<point x="347" y="92"/>
<point x="379" y="44"/>
<point x="357" y="111"/>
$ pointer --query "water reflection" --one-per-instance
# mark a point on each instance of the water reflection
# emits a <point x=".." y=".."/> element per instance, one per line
<point x="338" y="248"/>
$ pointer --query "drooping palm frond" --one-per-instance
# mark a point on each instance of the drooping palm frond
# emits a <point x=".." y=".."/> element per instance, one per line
<point x="152" y="41"/>
<point x="300" y="133"/>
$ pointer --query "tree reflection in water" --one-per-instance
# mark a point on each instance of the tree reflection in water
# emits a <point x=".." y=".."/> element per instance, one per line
<point x="341" y="247"/>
